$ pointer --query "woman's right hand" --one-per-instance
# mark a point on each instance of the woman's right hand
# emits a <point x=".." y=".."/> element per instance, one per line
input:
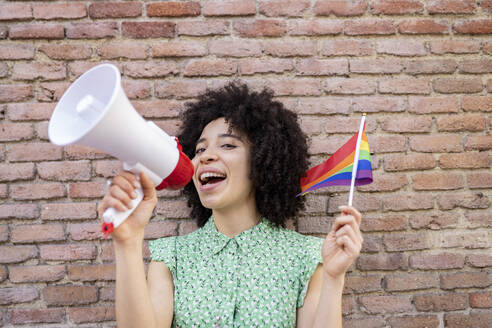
<point x="119" y="195"/>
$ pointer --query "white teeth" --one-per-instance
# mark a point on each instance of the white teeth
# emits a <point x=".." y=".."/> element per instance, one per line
<point x="207" y="175"/>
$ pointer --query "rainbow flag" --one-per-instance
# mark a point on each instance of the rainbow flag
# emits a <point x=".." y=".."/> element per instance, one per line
<point x="337" y="169"/>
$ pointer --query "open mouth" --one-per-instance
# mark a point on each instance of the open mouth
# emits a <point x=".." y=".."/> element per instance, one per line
<point x="209" y="178"/>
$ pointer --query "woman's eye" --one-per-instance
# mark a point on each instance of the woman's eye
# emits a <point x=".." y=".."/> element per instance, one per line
<point x="228" y="146"/>
<point x="199" y="150"/>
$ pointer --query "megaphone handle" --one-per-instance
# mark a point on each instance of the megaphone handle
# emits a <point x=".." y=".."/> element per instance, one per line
<point x="113" y="218"/>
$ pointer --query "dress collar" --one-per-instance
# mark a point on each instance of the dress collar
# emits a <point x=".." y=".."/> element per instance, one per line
<point x="246" y="240"/>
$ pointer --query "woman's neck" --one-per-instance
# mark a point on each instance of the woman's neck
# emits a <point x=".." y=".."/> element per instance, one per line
<point x="234" y="220"/>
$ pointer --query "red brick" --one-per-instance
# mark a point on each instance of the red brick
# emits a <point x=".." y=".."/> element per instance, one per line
<point x="364" y="322"/>
<point x="376" y="66"/>
<point x="22" y="211"/>
<point x="356" y="86"/>
<point x="14" y="51"/>
<point x="468" y="122"/>
<point x="70" y="252"/>
<point x="378" y="104"/>
<point x="431" y="66"/>
<point x="401" y="47"/>
<point x="437" y="261"/>
<point x="72" y="10"/>
<point x="66" y="51"/>
<point x="368" y="26"/>
<point x="404" y="202"/>
<point x="386" y="182"/>
<point x="393" y="261"/>
<point x="321" y="67"/>
<point x="384" y="223"/>
<point x="4" y="233"/>
<point x="202" y="28"/>
<point x="108" y="169"/>
<point x="16" y="131"/>
<point x="260" y="27"/>
<point x="85" y="231"/>
<point x="407" y="124"/>
<point x="68" y="211"/>
<point x="465" y="280"/>
<point x="37" y="273"/>
<point x="158" y="108"/>
<point x="92" y="314"/>
<point x="76" y="152"/>
<point x="125" y="49"/>
<point x="146" y="69"/>
<point x="411" y="281"/>
<point x="29" y="111"/>
<point x="91" y="272"/>
<point x="405" y="242"/>
<point x="385" y="304"/>
<point x="409" y="162"/>
<point x="12" y="172"/>
<point x="41" y="129"/>
<point x="17" y="254"/>
<point x="37" y="191"/>
<point x="289" y="8"/>
<point x="115" y="9"/>
<point x="474" y="320"/>
<point x="387" y="144"/>
<point x="478" y="142"/>
<point x="469" y="160"/>
<point x="3" y="32"/>
<point x="314" y="224"/>
<point x="69" y="295"/>
<point x="477" y="103"/>
<point x="39" y="70"/>
<point x="478" y="66"/>
<point x="440" y="302"/>
<point x="173" y="9"/>
<point x="324" y="105"/>
<point x="479" y="260"/>
<point x="18" y="295"/>
<point x="210" y="67"/>
<point x="486" y="5"/>
<point x="137" y="89"/>
<point x="51" y="91"/>
<point x="314" y="27"/>
<point x="179" y="89"/>
<point x="362" y="284"/>
<point x="481" y="300"/>
<point x="295" y="87"/>
<point x="406" y="85"/>
<point x="479" y="180"/>
<point x="36" y="233"/>
<point x="15" y="92"/>
<point x="342" y="8"/>
<point x="15" y="11"/>
<point x="436" y="144"/>
<point x="179" y="49"/>
<point x="229" y="8"/>
<point x="86" y="189"/>
<point x="471" y="201"/>
<point x="414" y="321"/>
<point x="451" y="7"/>
<point x="34" y="151"/>
<point x="93" y="30"/>
<point x="24" y="316"/>
<point x="172" y="209"/>
<point x="252" y="66"/>
<point x="396" y="7"/>
<point x="106" y="293"/>
<point x="235" y="48"/>
<point x="141" y="30"/>
<point x="434" y="221"/>
<point x="37" y="31"/>
<point x="437" y="181"/>
<point x="346" y="48"/>
<point x="479" y="219"/>
<point x="160" y="229"/>
<point x="454" y="46"/>
<point x="469" y="240"/>
<point x="423" y="26"/>
<point x="476" y="26"/>
<point x="290" y="48"/>
<point x="65" y="171"/>
<point x="187" y="227"/>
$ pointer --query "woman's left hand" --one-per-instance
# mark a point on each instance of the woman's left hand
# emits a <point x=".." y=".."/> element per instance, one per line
<point x="342" y="245"/>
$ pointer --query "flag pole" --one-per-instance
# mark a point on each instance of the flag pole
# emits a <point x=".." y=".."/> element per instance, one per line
<point x="356" y="159"/>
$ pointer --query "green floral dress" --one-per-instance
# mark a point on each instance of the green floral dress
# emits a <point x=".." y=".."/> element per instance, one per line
<point x="256" y="279"/>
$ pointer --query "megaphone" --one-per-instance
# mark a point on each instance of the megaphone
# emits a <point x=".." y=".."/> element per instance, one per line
<point x="95" y="112"/>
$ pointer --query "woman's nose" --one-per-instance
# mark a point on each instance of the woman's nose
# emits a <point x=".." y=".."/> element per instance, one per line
<point x="208" y="157"/>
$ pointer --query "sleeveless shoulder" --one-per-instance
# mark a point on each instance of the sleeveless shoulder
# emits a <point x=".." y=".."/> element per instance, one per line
<point x="164" y="250"/>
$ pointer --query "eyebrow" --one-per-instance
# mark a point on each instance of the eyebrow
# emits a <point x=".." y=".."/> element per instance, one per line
<point x="222" y="135"/>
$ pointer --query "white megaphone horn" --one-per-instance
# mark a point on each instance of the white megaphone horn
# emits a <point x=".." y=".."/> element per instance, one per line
<point x="95" y="112"/>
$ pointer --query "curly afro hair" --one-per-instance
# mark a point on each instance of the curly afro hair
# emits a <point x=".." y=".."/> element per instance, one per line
<point x="279" y="155"/>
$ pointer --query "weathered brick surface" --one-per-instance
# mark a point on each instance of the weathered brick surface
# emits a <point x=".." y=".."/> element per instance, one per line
<point x="420" y="70"/>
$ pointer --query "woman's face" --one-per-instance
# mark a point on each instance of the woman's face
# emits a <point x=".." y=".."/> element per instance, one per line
<point x="222" y="167"/>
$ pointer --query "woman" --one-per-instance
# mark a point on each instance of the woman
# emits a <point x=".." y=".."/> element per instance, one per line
<point x="241" y="268"/>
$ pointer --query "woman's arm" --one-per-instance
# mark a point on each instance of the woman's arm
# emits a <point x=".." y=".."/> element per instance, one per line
<point x="137" y="305"/>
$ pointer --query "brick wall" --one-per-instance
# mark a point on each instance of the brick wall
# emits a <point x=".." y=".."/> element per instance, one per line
<point x="422" y="70"/>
